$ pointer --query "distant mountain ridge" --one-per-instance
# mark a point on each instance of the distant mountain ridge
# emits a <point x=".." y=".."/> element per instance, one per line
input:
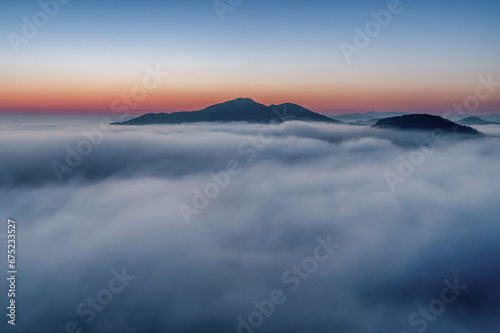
<point x="476" y="121"/>
<point x="495" y="117"/>
<point x="241" y="109"/>
<point x="366" y="118"/>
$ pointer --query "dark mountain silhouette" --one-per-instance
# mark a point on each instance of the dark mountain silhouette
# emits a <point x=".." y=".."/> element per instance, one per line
<point x="368" y="122"/>
<point x="424" y="122"/>
<point x="456" y="118"/>
<point x="241" y="109"/>
<point x="357" y="118"/>
<point x="476" y="121"/>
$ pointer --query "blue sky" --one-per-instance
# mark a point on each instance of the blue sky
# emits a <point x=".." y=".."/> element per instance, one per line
<point x="261" y="46"/>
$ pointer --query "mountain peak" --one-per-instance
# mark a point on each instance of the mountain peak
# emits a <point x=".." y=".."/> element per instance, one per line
<point x="239" y="101"/>
<point x="243" y="99"/>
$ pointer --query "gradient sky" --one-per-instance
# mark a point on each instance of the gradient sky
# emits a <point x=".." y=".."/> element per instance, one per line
<point x="91" y="52"/>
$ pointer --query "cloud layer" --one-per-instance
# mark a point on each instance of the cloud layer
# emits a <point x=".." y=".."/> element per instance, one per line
<point x="119" y="208"/>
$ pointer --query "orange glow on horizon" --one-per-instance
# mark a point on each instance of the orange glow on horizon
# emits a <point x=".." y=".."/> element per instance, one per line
<point x="59" y="96"/>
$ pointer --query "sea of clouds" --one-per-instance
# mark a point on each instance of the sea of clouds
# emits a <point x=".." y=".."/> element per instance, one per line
<point x="199" y="257"/>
